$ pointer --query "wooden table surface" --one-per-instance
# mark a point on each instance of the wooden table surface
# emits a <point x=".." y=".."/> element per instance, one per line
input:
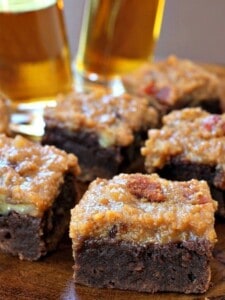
<point x="52" y="278"/>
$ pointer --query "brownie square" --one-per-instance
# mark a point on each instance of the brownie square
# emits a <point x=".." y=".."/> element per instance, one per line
<point x="37" y="191"/>
<point x="144" y="233"/>
<point x="191" y="144"/>
<point x="104" y="131"/>
<point x="176" y="83"/>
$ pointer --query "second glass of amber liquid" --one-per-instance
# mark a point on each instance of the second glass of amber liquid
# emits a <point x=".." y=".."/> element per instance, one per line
<point x="117" y="36"/>
<point x="34" y="53"/>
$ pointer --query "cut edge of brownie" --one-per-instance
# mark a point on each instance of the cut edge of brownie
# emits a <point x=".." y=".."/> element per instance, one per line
<point x="32" y="237"/>
<point x="182" y="170"/>
<point x="94" y="160"/>
<point x="174" y="267"/>
<point x="213" y="106"/>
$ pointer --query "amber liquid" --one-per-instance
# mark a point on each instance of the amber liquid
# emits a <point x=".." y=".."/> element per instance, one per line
<point x="34" y="54"/>
<point x="118" y="35"/>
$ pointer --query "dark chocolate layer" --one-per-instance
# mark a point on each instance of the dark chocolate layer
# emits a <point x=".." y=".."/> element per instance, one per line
<point x="213" y="106"/>
<point x="175" y="267"/>
<point x="32" y="237"/>
<point x="210" y="105"/>
<point x="94" y="160"/>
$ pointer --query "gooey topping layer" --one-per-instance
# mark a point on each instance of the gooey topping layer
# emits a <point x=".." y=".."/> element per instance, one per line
<point x="144" y="208"/>
<point x="173" y="79"/>
<point x="114" y="118"/>
<point x="31" y="175"/>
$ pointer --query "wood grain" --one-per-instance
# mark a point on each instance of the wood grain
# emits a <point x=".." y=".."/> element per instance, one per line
<point x="52" y="278"/>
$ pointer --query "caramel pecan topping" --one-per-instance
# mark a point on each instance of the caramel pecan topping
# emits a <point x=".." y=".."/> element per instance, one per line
<point x="214" y="124"/>
<point x="191" y="193"/>
<point x="142" y="187"/>
<point x="162" y="94"/>
<point x="211" y="121"/>
<point x="150" y="89"/>
<point x="202" y="199"/>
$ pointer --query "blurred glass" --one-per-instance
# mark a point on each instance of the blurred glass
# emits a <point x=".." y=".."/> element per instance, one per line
<point x="117" y="36"/>
<point x="34" y="53"/>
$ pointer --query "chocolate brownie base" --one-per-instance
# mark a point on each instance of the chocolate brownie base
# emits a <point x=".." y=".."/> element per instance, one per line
<point x="175" y="267"/>
<point x="94" y="160"/>
<point x="213" y="106"/>
<point x="180" y="170"/>
<point x="210" y="105"/>
<point x="32" y="237"/>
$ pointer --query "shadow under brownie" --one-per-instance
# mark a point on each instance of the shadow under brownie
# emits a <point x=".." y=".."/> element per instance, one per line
<point x="104" y="131"/>
<point x="144" y="233"/>
<point x="37" y="191"/>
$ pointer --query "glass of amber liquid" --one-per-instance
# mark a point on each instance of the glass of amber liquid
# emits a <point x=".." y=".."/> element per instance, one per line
<point x="117" y="36"/>
<point x="34" y="54"/>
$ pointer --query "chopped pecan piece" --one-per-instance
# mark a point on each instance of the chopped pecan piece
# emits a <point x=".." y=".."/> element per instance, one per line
<point x="142" y="187"/>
